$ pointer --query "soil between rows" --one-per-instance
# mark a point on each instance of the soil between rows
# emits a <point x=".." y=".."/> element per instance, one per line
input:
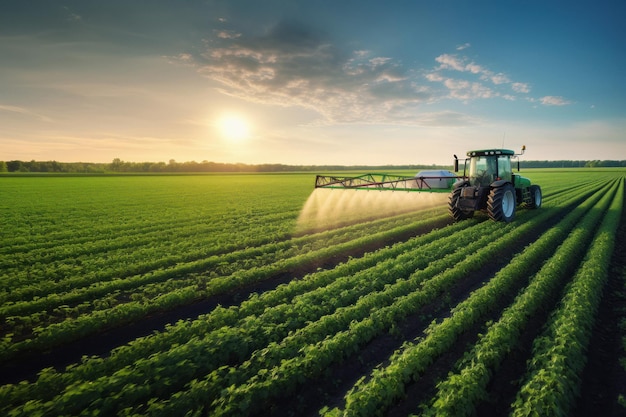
<point x="604" y="378"/>
<point x="28" y="365"/>
<point x="331" y="388"/>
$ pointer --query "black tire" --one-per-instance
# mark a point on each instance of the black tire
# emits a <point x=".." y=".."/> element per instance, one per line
<point x="456" y="213"/>
<point x="535" y="197"/>
<point x="501" y="203"/>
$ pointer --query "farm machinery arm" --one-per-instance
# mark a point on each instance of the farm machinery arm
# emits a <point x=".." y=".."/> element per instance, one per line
<point x="387" y="182"/>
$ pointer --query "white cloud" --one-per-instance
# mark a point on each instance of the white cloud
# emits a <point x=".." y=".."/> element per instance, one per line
<point x="292" y="65"/>
<point x="520" y="87"/>
<point x="453" y="62"/>
<point x="434" y="77"/>
<point x="465" y="90"/>
<point x="554" y="101"/>
<point x="227" y="34"/>
<point x="499" y="79"/>
<point x="488" y="84"/>
<point x="463" y="64"/>
<point x="181" y="59"/>
<point x="379" y="61"/>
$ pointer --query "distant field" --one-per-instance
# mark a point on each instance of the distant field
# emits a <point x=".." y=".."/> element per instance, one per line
<point x="250" y="294"/>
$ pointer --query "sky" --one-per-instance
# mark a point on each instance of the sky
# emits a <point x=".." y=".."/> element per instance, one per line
<point x="312" y="82"/>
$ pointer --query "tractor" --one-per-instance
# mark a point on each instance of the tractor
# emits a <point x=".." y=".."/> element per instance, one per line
<point x="490" y="185"/>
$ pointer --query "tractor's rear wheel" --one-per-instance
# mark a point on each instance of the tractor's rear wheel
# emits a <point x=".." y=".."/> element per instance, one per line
<point x="501" y="203"/>
<point x="535" y="197"/>
<point x="453" y="207"/>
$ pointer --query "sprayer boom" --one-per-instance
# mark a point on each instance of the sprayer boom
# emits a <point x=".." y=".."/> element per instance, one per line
<point x="439" y="181"/>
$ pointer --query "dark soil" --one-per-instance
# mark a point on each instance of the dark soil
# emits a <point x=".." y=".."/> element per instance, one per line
<point x="26" y="366"/>
<point x="603" y="380"/>
<point x="604" y="377"/>
<point x="331" y="388"/>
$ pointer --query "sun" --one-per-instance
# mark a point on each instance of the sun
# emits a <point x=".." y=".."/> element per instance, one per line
<point x="233" y="127"/>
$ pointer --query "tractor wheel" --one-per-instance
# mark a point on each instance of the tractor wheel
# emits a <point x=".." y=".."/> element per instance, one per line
<point x="535" y="197"/>
<point x="501" y="203"/>
<point x="456" y="213"/>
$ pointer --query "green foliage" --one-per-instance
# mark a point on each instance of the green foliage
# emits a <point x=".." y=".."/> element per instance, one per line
<point x="462" y="391"/>
<point x="82" y="254"/>
<point x="119" y="166"/>
<point x="559" y="353"/>
<point x="383" y="388"/>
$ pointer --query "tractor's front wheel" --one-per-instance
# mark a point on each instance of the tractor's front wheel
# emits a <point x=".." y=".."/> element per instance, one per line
<point x="501" y="203"/>
<point x="453" y="207"/>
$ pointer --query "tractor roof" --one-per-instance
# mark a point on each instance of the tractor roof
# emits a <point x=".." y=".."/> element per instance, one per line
<point x="489" y="152"/>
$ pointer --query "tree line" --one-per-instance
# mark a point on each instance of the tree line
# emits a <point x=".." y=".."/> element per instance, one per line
<point x="117" y="165"/>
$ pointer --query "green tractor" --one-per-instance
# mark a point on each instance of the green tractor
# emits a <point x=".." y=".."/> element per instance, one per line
<point x="491" y="186"/>
<point x="488" y="184"/>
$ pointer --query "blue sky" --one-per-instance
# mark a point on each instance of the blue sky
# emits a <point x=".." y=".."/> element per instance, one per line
<point x="310" y="82"/>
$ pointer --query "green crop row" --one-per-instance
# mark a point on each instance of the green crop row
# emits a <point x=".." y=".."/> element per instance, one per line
<point x="95" y="212"/>
<point x="65" y="280"/>
<point x="455" y="237"/>
<point x="281" y="366"/>
<point x="35" y="273"/>
<point x="336" y="280"/>
<point x="290" y="372"/>
<point x="461" y="391"/>
<point x="559" y="355"/>
<point x="90" y="286"/>
<point x="247" y="358"/>
<point x="178" y="292"/>
<point x="252" y="331"/>
<point x="46" y="375"/>
<point x="371" y="396"/>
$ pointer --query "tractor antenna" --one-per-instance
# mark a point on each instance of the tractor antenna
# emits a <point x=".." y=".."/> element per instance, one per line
<point x="503" y="138"/>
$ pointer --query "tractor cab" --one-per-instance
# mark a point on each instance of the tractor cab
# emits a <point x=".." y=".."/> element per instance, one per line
<point x="486" y="167"/>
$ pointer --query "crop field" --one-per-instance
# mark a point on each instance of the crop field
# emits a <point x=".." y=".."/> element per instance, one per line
<point x="254" y="295"/>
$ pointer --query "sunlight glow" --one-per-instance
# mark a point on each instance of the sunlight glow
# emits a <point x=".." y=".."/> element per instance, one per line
<point x="233" y="127"/>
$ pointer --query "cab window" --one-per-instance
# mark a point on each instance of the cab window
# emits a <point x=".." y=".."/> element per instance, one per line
<point x="482" y="170"/>
<point x="504" y="167"/>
